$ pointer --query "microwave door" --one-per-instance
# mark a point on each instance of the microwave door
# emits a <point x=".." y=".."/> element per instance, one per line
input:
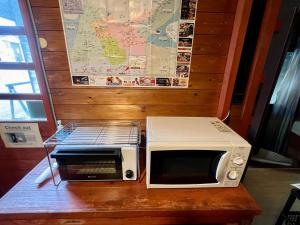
<point x="175" y="167"/>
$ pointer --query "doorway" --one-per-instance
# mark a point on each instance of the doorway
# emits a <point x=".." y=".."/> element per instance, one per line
<point x="274" y="130"/>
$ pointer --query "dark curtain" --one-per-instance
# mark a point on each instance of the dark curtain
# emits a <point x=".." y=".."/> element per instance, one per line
<point x="284" y="102"/>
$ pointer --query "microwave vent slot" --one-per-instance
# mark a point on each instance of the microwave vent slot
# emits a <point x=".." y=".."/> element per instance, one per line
<point x="219" y="126"/>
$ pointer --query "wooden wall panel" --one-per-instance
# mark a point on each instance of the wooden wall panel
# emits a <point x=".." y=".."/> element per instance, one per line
<point x="47" y="18"/>
<point x="55" y="61"/>
<point x="208" y="63"/>
<point x="43" y="3"/>
<point x="131" y="112"/>
<point x="133" y="97"/>
<point x="216" y="6"/>
<point x="214" y="23"/>
<point x="213" y="32"/>
<point x="211" y="44"/>
<point x="55" y="41"/>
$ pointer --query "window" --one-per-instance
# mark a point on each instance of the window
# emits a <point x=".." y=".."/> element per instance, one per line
<point x="23" y="91"/>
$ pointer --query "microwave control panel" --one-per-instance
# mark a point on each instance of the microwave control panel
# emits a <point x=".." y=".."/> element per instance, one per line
<point x="236" y="165"/>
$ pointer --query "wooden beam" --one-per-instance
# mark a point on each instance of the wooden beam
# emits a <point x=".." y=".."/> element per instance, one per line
<point x="256" y="73"/>
<point x="36" y="57"/>
<point x="235" y="50"/>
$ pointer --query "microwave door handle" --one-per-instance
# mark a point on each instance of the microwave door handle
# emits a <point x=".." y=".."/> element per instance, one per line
<point x="221" y="169"/>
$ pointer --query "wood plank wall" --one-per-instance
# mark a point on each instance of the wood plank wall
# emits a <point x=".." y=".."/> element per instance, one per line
<point x="213" y="32"/>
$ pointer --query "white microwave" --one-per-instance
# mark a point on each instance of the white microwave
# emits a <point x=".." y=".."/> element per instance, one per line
<point x="193" y="152"/>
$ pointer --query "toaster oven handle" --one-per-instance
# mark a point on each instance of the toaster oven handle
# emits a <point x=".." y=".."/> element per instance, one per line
<point x="68" y="152"/>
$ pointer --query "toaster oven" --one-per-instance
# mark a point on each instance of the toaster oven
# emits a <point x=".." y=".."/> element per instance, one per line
<point x="96" y="151"/>
<point x="92" y="162"/>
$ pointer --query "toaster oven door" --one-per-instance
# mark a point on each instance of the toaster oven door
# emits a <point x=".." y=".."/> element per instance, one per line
<point x="175" y="167"/>
<point x="89" y="164"/>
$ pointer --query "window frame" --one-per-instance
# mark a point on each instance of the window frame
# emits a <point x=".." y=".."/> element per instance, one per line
<point x="28" y="29"/>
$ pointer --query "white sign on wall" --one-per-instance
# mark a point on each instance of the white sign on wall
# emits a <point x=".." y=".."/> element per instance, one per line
<point x="21" y="135"/>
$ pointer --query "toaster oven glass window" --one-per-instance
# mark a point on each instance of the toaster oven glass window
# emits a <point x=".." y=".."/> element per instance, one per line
<point x="87" y="169"/>
<point x="184" y="166"/>
<point x="88" y="163"/>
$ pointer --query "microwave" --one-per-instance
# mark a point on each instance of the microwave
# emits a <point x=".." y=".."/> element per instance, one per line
<point x="193" y="152"/>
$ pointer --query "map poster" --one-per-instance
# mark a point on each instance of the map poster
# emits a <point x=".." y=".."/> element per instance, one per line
<point x="129" y="43"/>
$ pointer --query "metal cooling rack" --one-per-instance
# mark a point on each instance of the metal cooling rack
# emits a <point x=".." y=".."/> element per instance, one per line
<point x="100" y="133"/>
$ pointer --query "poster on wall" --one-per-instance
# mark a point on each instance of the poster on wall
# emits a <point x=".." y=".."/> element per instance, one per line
<point x="21" y="135"/>
<point x="129" y="43"/>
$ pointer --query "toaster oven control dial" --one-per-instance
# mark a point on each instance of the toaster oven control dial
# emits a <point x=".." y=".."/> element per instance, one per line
<point x="238" y="161"/>
<point x="232" y="175"/>
<point x="129" y="174"/>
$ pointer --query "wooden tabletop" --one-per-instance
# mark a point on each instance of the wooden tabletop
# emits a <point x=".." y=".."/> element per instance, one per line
<point x="129" y="200"/>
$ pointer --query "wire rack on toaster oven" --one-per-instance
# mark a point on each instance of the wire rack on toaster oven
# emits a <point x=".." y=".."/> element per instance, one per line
<point x="100" y="133"/>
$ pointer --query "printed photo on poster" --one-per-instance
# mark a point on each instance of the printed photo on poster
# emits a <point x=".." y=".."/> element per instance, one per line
<point x="127" y="81"/>
<point x="185" y="43"/>
<point x="147" y="81"/>
<point x="163" y="82"/>
<point x="188" y="9"/>
<point x="182" y="70"/>
<point x="21" y="135"/>
<point x="135" y="81"/>
<point x="186" y="30"/>
<point x="179" y="82"/>
<point x="137" y="62"/>
<point x="113" y="81"/>
<point x="80" y="80"/>
<point x="97" y="81"/>
<point x="72" y="6"/>
<point x="184" y="57"/>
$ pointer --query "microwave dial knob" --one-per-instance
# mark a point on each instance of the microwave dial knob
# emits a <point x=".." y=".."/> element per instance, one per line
<point x="232" y="175"/>
<point x="129" y="174"/>
<point x="238" y="161"/>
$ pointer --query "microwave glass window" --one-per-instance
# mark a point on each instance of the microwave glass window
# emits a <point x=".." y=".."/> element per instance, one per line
<point x="184" y="166"/>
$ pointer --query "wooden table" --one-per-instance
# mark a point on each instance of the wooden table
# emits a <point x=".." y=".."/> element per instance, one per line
<point x="117" y="203"/>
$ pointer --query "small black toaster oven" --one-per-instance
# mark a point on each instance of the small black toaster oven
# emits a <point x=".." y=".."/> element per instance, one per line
<point x="88" y="162"/>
